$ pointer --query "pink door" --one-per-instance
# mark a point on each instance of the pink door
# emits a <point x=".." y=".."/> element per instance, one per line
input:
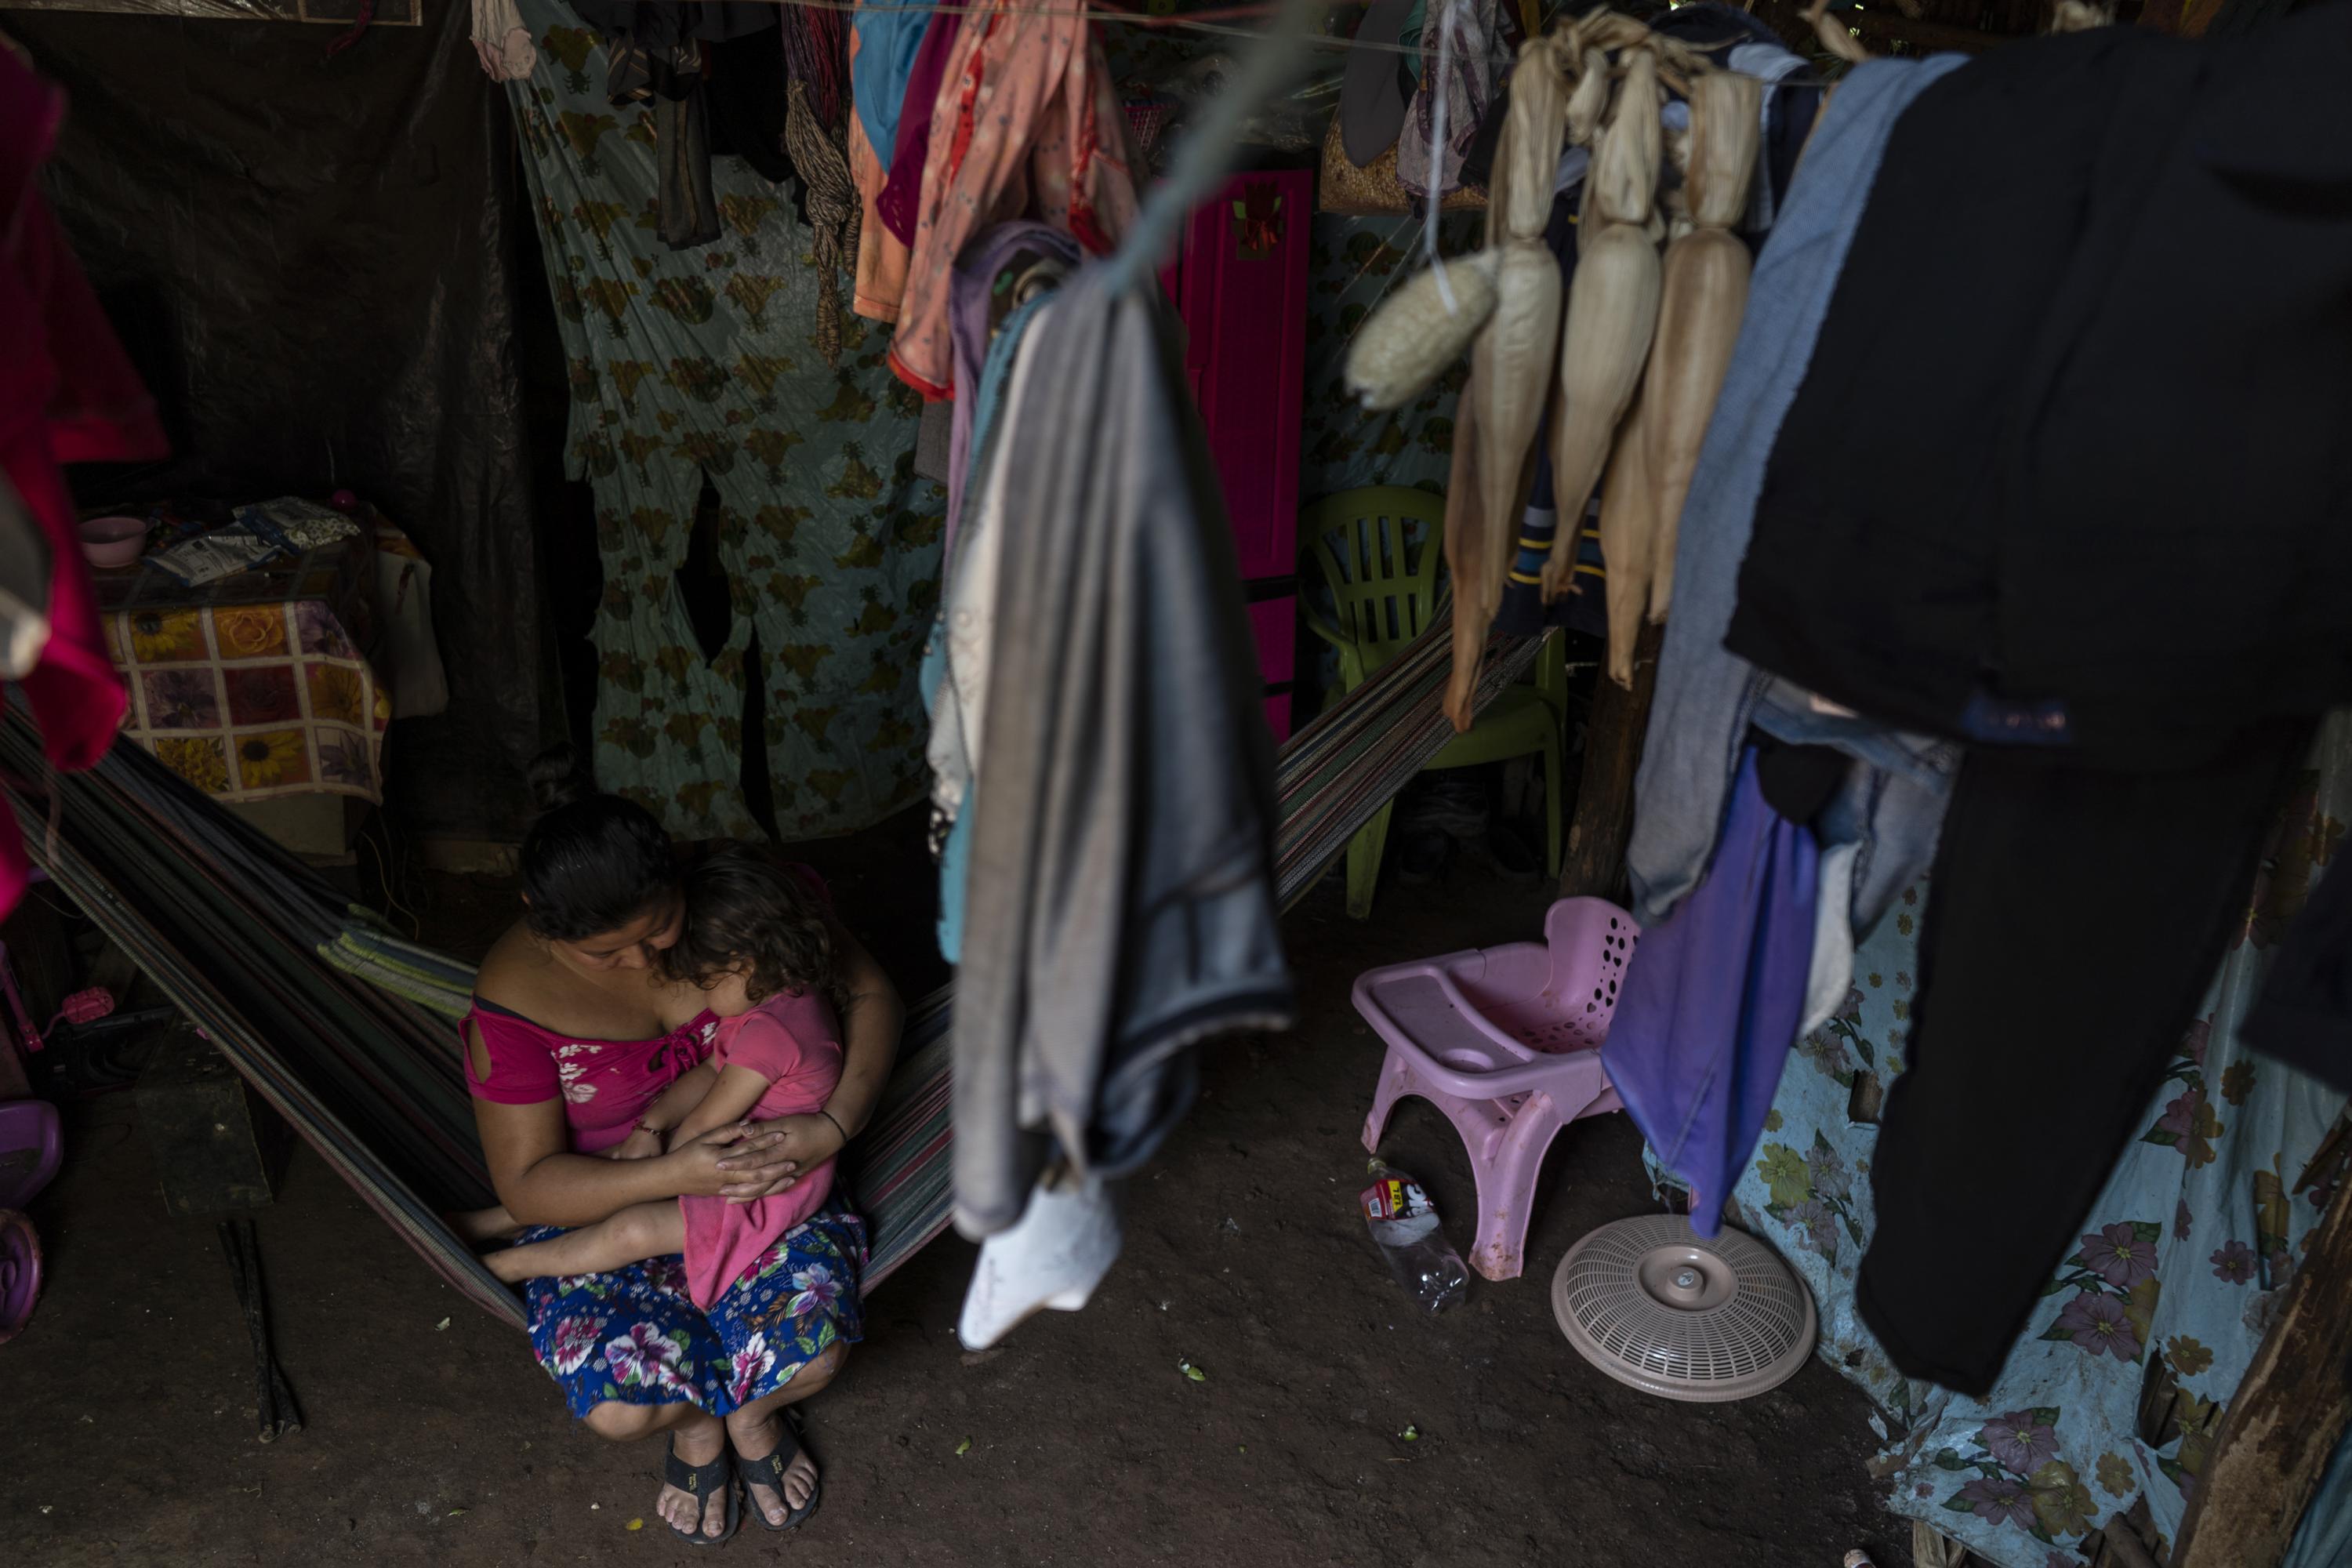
<point x="1240" y="285"/>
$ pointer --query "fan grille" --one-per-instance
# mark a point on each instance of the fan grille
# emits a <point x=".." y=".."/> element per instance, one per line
<point x="1672" y="1313"/>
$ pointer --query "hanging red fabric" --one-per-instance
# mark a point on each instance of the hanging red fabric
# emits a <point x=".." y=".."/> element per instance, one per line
<point x="68" y="395"/>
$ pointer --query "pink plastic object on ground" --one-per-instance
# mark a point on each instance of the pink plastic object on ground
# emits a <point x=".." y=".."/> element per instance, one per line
<point x="30" y="1148"/>
<point x="20" y="1272"/>
<point x="1507" y="1042"/>
<point x="83" y="1008"/>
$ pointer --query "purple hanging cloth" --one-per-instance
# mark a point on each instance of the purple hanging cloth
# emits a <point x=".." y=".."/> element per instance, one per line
<point x="904" y="189"/>
<point x="1017" y="253"/>
<point x="1714" y="997"/>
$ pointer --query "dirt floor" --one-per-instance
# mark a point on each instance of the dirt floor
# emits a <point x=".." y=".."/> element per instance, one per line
<point x="126" y="1408"/>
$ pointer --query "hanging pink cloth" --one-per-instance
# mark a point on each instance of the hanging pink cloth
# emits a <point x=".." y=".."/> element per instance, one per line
<point x="68" y="395"/>
<point x="1027" y="125"/>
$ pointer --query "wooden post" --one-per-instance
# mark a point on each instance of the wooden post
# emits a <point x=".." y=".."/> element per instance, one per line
<point x="2290" y="1411"/>
<point x="1594" y="860"/>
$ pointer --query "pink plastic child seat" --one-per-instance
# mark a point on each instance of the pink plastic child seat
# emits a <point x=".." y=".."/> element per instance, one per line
<point x="1507" y="1042"/>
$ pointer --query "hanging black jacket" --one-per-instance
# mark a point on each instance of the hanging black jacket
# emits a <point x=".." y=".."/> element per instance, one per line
<point x="2069" y="463"/>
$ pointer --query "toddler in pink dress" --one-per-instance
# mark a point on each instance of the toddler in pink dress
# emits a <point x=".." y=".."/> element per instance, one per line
<point x="758" y="940"/>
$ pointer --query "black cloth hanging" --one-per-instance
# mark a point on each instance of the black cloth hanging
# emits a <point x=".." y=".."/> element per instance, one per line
<point x="2068" y="461"/>
<point x="2074" y="917"/>
<point x="2065" y="478"/>
<point x="2303" y="1017"/>
<point x="661" y="52"/>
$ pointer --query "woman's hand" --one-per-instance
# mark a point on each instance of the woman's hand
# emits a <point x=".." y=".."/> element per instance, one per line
<point x="741" y="1161"/>
<point x="642" y="1143"/>
<point x="804" y="1143"/>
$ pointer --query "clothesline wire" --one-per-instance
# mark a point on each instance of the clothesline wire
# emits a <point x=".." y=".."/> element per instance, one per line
<point x="1212" y="23"/>
<point x="1207" y="22"/>
<point x="1205" y="149"/>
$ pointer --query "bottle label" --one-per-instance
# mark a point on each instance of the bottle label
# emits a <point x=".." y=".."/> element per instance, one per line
<point x="1395" y="1197"/>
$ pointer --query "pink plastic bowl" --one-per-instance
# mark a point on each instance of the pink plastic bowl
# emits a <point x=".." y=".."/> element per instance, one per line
<point x="114" y="541"/>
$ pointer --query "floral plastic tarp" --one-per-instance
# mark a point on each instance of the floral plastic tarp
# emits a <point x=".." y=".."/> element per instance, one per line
<point x="1353" y="262"/>
<point x="701" y="364"/>
<point x="2117" y="1389"/>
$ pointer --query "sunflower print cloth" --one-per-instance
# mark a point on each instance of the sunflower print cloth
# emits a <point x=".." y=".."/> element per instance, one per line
<point x="2111" y="1401"/>
<point x="637" y="1337"/>
<point x="702" y="407"/>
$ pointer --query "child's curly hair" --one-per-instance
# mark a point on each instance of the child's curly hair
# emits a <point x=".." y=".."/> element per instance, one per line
<point x="745" y="912"/>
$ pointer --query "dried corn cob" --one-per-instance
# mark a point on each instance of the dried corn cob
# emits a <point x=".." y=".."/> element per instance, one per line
<point x="1530" y="143"/>
<point x="1726" y="124"/>
<point x="1411" y="337"/>
<point x="1613" y="309"/>
<point x="1703" y="295"/>
<point x="1465" y="559"/>
<point x="1589" y="99"/>
<point x="1625" y="162"/>
<point x="1513" y="367"/>
<point x="1628" y="521"/>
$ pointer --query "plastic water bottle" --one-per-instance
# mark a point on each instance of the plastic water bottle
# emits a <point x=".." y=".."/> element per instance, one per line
<point x="1404" y="1224"/>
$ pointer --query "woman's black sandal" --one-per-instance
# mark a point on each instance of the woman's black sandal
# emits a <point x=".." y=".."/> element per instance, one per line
<point x="696" y="1482"/>
<point x="770" y="1472"/>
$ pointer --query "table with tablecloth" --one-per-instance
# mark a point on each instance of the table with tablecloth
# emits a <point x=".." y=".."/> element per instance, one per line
<point x="262" y="686"/>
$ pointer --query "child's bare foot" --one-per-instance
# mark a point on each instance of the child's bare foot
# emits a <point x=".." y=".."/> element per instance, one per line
<point x="514" y="1264"/>
<point x="479" y="1227"/>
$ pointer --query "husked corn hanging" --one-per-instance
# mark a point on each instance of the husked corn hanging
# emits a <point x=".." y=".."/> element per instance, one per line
<point x="1513" y="367"/>
<point x="1612" y="308"/>
<point x="1589" y="99"/>
<point x="1411" y="337"/>
<point x="1725" y="125"/>
<point x="1703" y="294"/>
<point x="1529" y="154"/>
<point x="1628" y="519"/>
<point x="1625" y="163"/>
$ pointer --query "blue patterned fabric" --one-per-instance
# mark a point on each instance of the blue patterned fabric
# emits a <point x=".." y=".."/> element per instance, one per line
<point x="698" y="389"/>
<point x="635" y="1337"/>
<point x="886" y="43"/>
<point x="2118" y="1388"/>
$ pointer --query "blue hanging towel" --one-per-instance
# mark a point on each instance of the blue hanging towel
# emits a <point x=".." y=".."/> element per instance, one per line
<point x="887" y="42"/>
<point x="1714" y="997"/>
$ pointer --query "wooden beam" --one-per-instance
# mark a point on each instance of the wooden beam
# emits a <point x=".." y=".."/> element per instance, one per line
<point x="1594" y="860"/>
<point x="2291" y="1409"/>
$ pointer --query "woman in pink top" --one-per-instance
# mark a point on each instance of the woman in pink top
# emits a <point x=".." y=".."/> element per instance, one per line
<point x="756" y="940"/>
<point x="578" y="1030"/>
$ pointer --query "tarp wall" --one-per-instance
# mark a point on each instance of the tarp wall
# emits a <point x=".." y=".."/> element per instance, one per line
<point x="314" y="263"/>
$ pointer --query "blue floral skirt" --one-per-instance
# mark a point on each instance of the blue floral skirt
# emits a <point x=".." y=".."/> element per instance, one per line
<point x="635" y="1336"/>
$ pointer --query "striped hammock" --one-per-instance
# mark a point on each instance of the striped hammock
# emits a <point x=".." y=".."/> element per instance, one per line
<point x="346" y="1030"/>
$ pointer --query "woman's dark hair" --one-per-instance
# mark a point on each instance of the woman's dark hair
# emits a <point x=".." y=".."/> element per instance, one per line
<point x="745" y="911"/>
<point x="592" y="862"/>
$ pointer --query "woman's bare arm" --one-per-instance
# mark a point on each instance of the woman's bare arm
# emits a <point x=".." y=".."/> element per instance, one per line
<point x="541" y="1182"/>
<point x="872" y="1018"/>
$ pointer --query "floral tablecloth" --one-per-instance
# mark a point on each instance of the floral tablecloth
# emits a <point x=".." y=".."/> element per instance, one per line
<point x="2111" y="1401"/>
<point x="257" y="686"/>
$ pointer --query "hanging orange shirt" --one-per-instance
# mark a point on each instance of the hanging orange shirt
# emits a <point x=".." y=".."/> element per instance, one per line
<point x="1028" y="126"/>
<point x="882" y="257"/>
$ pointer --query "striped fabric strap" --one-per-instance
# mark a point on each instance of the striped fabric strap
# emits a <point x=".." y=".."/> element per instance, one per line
<point x="344" y="1028"/>
<point x="1334" y="774"/>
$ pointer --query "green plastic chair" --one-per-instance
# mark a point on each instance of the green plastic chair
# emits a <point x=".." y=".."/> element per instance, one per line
<point x="1383" y="582"/>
